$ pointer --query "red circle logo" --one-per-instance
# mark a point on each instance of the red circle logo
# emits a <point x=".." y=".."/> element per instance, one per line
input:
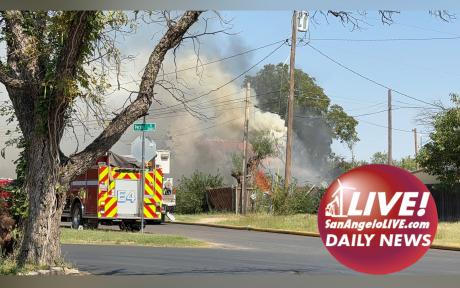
<point x="377" y="219"/>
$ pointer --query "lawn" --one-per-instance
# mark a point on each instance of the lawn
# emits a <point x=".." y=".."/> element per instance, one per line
<point x="448" y="232"/>
<point x="71" y="236"/>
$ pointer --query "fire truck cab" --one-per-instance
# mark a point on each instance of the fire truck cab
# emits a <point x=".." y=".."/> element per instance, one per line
<point x="110" y="193"/>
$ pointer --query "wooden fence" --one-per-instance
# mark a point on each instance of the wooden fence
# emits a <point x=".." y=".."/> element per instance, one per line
<point x="221" y="199"/>
<point x="447" y="202"/>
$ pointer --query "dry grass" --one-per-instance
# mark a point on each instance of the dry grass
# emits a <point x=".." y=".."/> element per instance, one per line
<point x="70" y="236"/>
<point x="448" y="232"/>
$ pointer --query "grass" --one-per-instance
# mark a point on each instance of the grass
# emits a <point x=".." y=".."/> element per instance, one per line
<point x="70" y="236"/>
<point x="448" y="232"/>
<point x="9" y="266"/>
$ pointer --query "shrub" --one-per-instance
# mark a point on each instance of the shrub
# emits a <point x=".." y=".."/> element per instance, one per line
<point x="262" y="202"/>
<point x="295" y="199"/>
<point x="7" y="225"/>
<point x="17" y="202"/>
<point x="191" y="192"/>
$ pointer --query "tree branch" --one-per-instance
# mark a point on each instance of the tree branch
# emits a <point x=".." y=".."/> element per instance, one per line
<point x="139" y="107"/>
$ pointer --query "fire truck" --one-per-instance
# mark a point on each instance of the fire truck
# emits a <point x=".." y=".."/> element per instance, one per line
<point x="110" y="193"/>
<point x="169" y="194"/>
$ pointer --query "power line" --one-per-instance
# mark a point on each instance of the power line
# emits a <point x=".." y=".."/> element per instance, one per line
<point x="369" y="79"/>
<point x="230" y="81"/>
<point x="386" y="127"/>
<point x="207" y="128"/>
<point x="217" y="60"/>
<point x="227" y="58"/>
<point x="385" y="39"/>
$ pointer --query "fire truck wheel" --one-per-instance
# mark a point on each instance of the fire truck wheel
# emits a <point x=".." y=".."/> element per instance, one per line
<point x="135" y="227"/>
<point x="76" y="217"/>
<point x="124" y="226"/>
<point x="91" y="224"/>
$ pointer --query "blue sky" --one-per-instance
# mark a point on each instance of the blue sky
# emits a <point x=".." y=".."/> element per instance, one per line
<point x="427" y="70"/>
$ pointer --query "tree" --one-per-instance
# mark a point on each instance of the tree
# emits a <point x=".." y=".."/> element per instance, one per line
<point x="342" y="165"/>
<point x="441" y="156"/>
<point x="46" y="70"/>
<point x="313" y="111"/>
<point x="379" y="158"/>
<point x="263" y="145"/>
<point x="407" y="162"/>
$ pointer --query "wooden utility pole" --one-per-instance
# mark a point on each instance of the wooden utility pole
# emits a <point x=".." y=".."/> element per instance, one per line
<point x="244" y="197"/>
<point x="390" y="130"/>
<point x="290" y="112"/>
<point x="415" y="145"/>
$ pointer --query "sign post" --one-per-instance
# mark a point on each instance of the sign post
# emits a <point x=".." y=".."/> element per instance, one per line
<point x="143" y="176"/>
<point x="151" y="153"/>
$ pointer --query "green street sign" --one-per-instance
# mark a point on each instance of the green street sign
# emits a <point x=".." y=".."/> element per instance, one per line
<point x="145" y="127"/>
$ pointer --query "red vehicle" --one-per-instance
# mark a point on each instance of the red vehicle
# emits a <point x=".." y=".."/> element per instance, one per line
<point x="110" y="193"/>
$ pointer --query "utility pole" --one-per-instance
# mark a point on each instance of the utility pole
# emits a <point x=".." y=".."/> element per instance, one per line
<point x="415" y="145"/>
<point x="244" y="198"/>
<point x="390" y="130"/>
<point x="290" y="112"/>
<point x="143" y="178"/>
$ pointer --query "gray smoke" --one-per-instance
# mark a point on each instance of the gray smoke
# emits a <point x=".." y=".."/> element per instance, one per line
<point x="205" y="142"/>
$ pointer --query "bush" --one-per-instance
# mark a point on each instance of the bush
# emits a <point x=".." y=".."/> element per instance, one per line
<point x="304" y="200"/>
<point x="191" y="192"/>
<point x="262" y="202"/>
<point x="7" y="225"/>
<point x="17" y="202"/>
<point x="13" y="212"/>
<point x="295" y="200"/>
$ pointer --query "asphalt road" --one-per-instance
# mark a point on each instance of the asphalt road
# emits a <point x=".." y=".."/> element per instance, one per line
<point x="234" y="251"/>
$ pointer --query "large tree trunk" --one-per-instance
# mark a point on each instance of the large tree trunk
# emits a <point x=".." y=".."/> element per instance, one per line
<point x="41" y="114"/>
<point x="41" y="244"/>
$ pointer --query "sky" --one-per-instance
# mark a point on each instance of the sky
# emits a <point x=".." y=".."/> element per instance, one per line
<point x="426" y="70"/>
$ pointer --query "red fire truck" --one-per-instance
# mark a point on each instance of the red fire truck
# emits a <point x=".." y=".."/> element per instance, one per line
<point x="110" y="193"/>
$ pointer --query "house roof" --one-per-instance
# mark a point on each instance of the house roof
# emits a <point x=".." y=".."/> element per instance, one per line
<point x="425" y="177"/>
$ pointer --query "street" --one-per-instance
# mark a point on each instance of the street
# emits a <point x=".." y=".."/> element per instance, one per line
<point x="232" y="251"/>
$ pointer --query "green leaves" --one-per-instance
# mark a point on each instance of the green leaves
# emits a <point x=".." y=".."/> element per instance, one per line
<point x="191" y="192"/>
<point x="343" y="125"/>
<point x="441" y="156"/>
<point x="271" y="84"/>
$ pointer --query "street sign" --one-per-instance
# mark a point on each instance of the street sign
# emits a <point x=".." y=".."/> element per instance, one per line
<point x="150" y="149"/>
<point x="145" y="126"/>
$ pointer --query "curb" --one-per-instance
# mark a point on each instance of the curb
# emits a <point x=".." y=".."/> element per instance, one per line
<point x="280" y="231"/>
<point x="249" y="228"/>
